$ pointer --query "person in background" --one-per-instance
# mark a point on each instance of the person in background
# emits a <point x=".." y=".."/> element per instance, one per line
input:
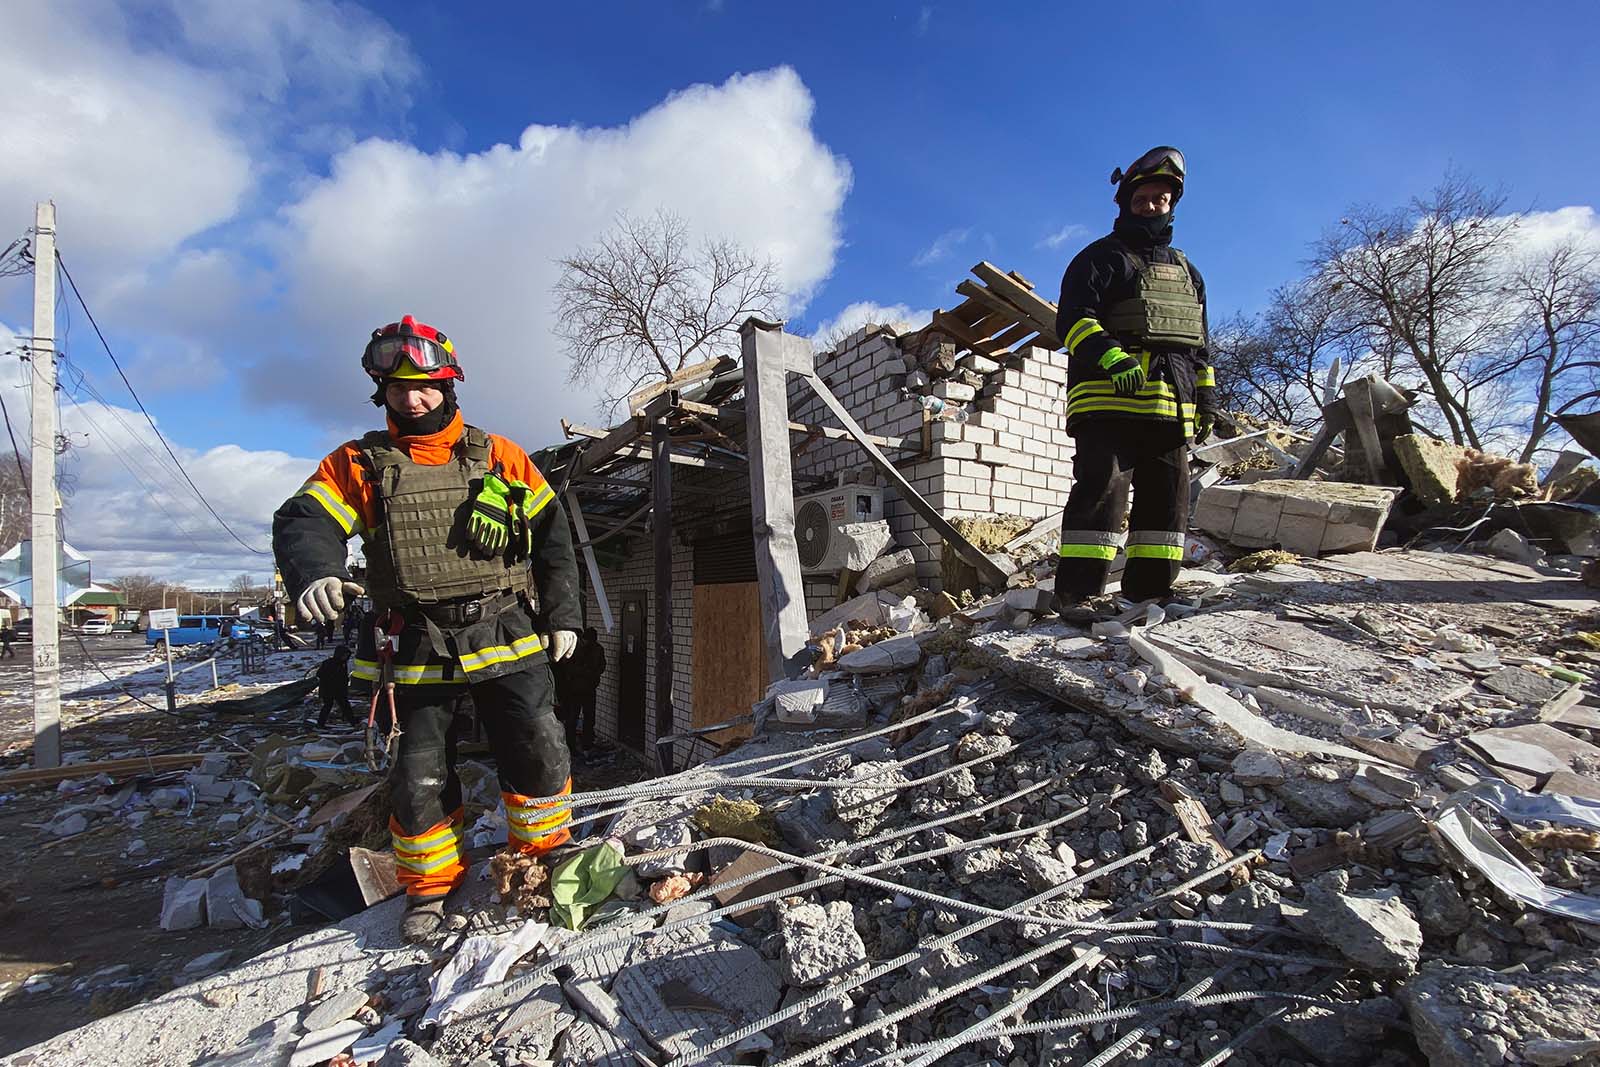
<point x="333" y="686"/>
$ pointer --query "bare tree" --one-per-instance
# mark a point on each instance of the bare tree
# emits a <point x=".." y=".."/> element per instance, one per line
<point x="1559" y="337"/>
<point x="645" y="301"/>
<point x="144" y="591"/>
<point x="1421" y="286"/>
<point x="16" y="508"/>
<point x="244" y="587"/>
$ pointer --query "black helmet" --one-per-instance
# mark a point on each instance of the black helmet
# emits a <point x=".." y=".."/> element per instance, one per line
<point x="1163" y="162"/>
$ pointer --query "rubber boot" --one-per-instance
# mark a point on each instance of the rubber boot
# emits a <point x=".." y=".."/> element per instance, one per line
<point x="422" y="920"/>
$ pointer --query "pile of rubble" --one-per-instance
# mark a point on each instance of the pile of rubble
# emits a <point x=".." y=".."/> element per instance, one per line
<point x="1331" y="812"/>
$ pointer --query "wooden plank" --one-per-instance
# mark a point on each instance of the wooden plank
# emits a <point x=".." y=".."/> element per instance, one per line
<point x="1013" y="337"/>
<point x="737" y="414"/>
<point x="1039" y="310"/>
<point x="961" y="333"/>
<point x="987" y="569"/>
<point x="694" y="372"/>
<point x="131" y="765"/>
<point x="1199" y="827"/>
<point x="608" y="443"/>
<point x="730" y="662"/>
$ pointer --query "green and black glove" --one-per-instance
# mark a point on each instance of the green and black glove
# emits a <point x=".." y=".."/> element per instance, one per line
<point x="1204" y="423"/>
<point x="521" y="521"/>
<point x="1127" y="375"/>
<point x="489" y="525"/>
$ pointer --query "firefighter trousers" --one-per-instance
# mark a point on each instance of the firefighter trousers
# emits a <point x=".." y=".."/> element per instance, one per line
<point x="1112" y="454"/>
<point x="529" y="750"/>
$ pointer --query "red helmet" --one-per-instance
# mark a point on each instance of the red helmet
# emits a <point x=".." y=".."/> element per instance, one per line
<point x="409" y="349"/>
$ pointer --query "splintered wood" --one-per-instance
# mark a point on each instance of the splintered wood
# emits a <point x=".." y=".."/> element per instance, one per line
<point x="1001" y="315"/>
<point x="1199" y="828"/>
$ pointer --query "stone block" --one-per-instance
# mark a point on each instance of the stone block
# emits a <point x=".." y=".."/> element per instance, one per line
<point x="1431" y="467"/>
<point x="1301" y="534"/>
<point x="977" y="364"/>
<point x="1257" y="520"/>
<point x="894" y="654"/>
<point x="867" y="541"/>
<point x="226" y="905"/>
<point x="1349" y="537"/>
<point x="956" y="392"/>
<point x="887" y="570"/>
<point x="1307" y="506"/>
<point x="1215" y="519"/>
<point x="955" y="450"/>
<point x="183" y="903"/>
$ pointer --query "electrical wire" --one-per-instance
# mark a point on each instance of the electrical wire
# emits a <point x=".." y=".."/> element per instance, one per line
<point x="15" y="451"/>
<point x="159" y="436"/>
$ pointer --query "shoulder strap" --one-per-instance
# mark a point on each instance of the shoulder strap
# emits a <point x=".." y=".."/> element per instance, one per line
<point x="372" y="446"/>
<point x="475" y="444"/>
<point x="1183" y="260"/>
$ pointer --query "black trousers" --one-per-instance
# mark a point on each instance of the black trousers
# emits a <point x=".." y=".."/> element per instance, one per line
<point x="518" y="716"/>
<point x="341" y="701"/>
<point x="1111" y="455"/>
<point x="577" y="713"/>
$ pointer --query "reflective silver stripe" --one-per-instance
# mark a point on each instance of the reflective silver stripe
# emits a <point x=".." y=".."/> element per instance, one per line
<point x="1091" y="537"/>
<point x="1155" y="537"/>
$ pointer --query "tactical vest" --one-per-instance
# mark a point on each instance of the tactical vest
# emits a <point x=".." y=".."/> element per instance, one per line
<point x="419" y="553"/>
<point x="1165" y="310"/>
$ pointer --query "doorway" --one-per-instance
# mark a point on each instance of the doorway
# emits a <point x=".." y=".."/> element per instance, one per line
<point x="631" y="665"/>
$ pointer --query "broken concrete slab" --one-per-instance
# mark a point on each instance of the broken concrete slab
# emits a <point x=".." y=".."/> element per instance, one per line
<point x="1461" y="1015"/>
<point x="1308" y="518"/>
<point x="898" y="653"/>
<point x="335" y="1008"/>
<point x="227" y="908"/>
<point x="887" y="570"/>
<point x="866" y="542"/>
<point x="820" y="943"/>
<point x="1377" y="933"/>
<point x="1509" y="544"/>
<point x="1524" y="686"/>
<point x="1245" y="647"/>
<point x="320" y="1046"/>
<point x="869" y="608"/>
<point x="683" y="1000"/>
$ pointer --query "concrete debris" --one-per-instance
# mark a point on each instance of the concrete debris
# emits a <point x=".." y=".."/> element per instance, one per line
<point x="335" y="1008"/>
<point x="886" y="571"/>
<point x="183" y="904"/>
<point x="1467" y="1016"/>
<point x="320" y="1046"/>
<point x="1508" y="544"/>
<point x="1432" y="467"/>
<point x="820" y="943"/>
<point x="1377" y="933"/>
<point x="1308" y="518"/>
<point x="895" y="654"/>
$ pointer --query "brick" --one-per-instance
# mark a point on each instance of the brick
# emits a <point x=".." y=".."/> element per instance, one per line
<point x="946" y="449"/>
<point x="957" y="392"/>
<point x="1316" y="509"/>
<point x="977" y="364"/>
<point x="996" y="456"/>
<point x="978" y="435"/>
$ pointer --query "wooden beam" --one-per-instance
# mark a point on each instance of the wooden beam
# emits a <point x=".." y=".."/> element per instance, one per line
<point x="1039" y="310"/>
<point x="954" y="328"/>
<point x="643" y="452"/>
<point x="661" y="468"/>
<point x="987" y="569"/>
<point x="766" y="402"/>
<point x="593" y="565"/>
<point x="737" y="414"/>
<point x="695" y="372"/>
<point x="134" y="765"/>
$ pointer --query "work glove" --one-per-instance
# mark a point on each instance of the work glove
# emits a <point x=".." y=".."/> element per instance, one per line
<point x="489" y="524"/>
<point x="1127" y="376"/>
<point x="323" y="599"/>
<point x="1204" y="423"/>
<point x="562" y="642"/>
<point x="521" y="521"/>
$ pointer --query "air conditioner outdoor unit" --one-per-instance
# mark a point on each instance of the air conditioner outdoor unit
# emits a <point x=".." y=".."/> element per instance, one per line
<point x="818" y="516"/>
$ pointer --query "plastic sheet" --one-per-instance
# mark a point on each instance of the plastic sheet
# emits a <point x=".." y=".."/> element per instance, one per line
<point x="1476" y="846"/>
<point x="479" y="963"/>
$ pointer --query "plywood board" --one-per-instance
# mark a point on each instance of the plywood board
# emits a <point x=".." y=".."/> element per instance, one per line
<point x="730" y="662"/>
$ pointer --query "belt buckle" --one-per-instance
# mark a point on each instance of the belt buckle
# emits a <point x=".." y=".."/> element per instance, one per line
<point x="470" y="612"/>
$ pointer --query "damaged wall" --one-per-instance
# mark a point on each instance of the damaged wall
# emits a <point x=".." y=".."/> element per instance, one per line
<point x="1012" y="455"/>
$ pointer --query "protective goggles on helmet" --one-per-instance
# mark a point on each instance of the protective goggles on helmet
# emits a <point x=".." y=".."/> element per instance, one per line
<point x="388" y="355"/>
<point x="1164" y="161"/>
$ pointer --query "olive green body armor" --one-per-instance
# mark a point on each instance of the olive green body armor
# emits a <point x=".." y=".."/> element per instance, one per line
<point x="419" y="553"/>
<point x="1165" y="310"/>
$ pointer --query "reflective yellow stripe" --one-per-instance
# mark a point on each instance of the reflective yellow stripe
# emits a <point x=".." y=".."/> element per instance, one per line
<point x="1149" y="389"/>
<point x="484" y="657"/>
<point x="425" y="842"/>
<point x="1083" y="328"/>
<point x="1206" y="379"/>
<point x="1105" y="552"/>
<point x="538" y="501"/>
<point x="403" y="675"/>
<point x="1155" y="552"/>
<point x="342" y="513"/>
<point x="528" y="823"/>
<point x="427" y="866"/>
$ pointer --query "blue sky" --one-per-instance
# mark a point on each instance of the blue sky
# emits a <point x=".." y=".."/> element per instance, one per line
<point x="274" y="182"/>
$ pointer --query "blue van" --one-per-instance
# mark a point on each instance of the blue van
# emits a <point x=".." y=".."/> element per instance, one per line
<point x="194" y="630"/>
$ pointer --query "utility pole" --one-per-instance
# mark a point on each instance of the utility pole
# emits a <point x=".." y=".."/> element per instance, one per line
<point x="46" y="612"/>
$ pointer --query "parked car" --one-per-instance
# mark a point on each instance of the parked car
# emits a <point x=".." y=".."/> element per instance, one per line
<point x="95" y="627"/>
<point x="194" y="630"/>
<point x="25" y="629"/>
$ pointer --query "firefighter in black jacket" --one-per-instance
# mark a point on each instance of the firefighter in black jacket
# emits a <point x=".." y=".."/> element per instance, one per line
<point x="1139" y="386"/>
<point x="453" y="520"/>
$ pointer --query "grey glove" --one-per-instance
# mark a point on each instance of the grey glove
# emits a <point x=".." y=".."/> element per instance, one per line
<point x="323" y="599"/>
<point x="562" y="642"/>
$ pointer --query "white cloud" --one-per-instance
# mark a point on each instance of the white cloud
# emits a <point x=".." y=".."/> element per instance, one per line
<point x="942" y="247"/>
<point x="1542" y="231"/>
<point x="862" y="313"/>
<point x="125" y="504"/>
<point x="1071" y="232"/>
<point x="470" y="242"/>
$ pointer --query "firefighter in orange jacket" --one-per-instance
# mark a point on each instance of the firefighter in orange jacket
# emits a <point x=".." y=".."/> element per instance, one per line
<point x="452" y="520"/>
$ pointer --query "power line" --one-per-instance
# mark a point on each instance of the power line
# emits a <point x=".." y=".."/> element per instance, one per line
<point x="13" y="435"/>
<point x="104" y="344"/>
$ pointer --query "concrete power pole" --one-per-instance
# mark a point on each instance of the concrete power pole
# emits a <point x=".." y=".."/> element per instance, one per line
<point x="46" y="611"/>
